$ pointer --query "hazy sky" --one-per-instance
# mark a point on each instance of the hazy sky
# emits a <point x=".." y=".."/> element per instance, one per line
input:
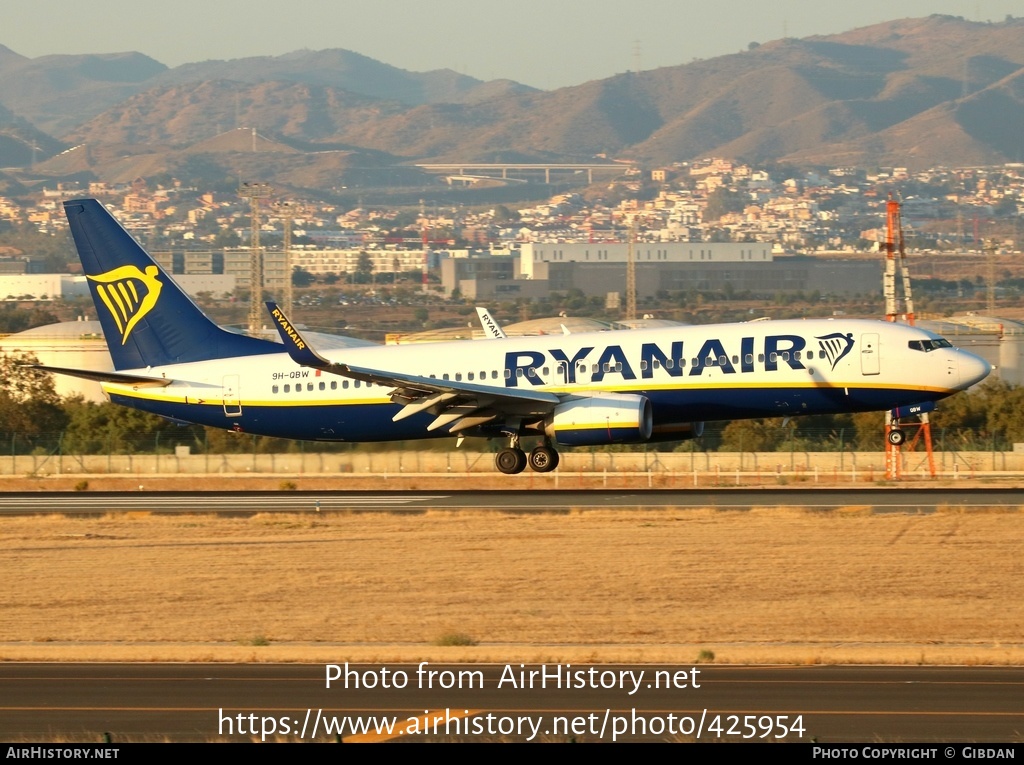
<point x="544" y="43"/>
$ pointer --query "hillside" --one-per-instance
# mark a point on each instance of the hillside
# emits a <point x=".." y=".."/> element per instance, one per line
<point x="914" y="92"/>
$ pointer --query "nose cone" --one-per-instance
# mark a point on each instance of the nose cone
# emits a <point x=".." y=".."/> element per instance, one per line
<point x="973" y="369"/>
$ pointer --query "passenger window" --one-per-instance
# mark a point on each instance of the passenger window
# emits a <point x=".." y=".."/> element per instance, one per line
<point x="760" y="357"/>
<point x="287" y="388"/>
<point x="274" y="389"/>
<point x="469" y="376"/>
<point x="458" y="377"/>
<point x="323" y="385"/>
<point x="334" y="384"/>
<point x="358" y="383"/>
<point x="749" y="358"/>
<point x="774" y="357"/>
<point x="723" y="360"/>
<point x="344" y="384"/>
<point x="309" y="386"/>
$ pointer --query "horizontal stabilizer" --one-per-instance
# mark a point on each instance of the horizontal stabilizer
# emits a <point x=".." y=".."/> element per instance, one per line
<point x="110" y="377"/>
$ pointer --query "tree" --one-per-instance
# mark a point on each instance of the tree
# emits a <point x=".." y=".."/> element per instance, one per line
<point x="102" y="428"/>
<point x="503" y="214"/>
<point x="722" y="201"/>
<point x="29" y="404"/>
<point x="301" y="277"/>
<point x="15" y="319"/>
<point x="753" y="436"/>
<point x="226" y="237"/>
<point x="364" y="268"/>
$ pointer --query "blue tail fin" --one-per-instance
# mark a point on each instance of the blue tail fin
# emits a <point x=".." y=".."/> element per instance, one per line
<point x="147" y="320"/>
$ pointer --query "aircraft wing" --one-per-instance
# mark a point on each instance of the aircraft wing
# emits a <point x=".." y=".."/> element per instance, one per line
<point x="462" y="405"/>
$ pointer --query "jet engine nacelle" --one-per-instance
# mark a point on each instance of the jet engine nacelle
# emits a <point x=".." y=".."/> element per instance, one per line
<point x="611" y="418"/>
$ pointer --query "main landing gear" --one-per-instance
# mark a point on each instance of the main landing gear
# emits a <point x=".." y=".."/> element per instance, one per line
<point x="514" y="460"/>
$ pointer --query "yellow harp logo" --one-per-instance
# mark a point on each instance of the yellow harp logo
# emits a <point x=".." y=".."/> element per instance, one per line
<point x="128" y="294"/>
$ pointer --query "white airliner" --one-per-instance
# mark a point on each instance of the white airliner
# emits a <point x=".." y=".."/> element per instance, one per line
<point x="596" y="388"/>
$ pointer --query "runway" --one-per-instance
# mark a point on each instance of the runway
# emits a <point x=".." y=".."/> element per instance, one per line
<point x="189" y="702"/>
<point x="880" y="500"/>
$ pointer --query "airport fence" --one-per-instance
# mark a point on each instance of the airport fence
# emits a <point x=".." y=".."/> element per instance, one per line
<point x="595" y="469"/>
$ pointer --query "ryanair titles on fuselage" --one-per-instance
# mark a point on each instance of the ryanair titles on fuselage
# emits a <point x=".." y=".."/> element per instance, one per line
<point x="755" y="354"/>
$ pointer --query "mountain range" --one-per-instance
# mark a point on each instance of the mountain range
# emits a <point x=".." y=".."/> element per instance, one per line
<point x="910" y="92"/>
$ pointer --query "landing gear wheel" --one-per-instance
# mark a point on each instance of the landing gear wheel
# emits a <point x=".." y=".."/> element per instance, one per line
<point x="896" y="436"/>
<point x="510" y="461"/>
<point x="543" y="459"/>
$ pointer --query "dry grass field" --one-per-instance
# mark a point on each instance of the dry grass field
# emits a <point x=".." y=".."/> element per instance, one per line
<point x="769" y="585"/>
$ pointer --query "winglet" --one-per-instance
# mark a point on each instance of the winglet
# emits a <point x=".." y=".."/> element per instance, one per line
<point x="491" y="328"/>
<point x="298" y="347"/>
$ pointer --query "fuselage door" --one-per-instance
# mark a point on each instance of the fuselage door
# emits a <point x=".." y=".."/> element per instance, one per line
<point x="232" y="401"/>
<point x="870" y="363"/>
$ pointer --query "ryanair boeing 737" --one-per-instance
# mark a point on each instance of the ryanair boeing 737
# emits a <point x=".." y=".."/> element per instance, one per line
<point x="636" y="386"/>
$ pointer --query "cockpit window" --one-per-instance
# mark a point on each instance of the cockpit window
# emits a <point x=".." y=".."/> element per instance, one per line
<point x="929" y="345"/>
